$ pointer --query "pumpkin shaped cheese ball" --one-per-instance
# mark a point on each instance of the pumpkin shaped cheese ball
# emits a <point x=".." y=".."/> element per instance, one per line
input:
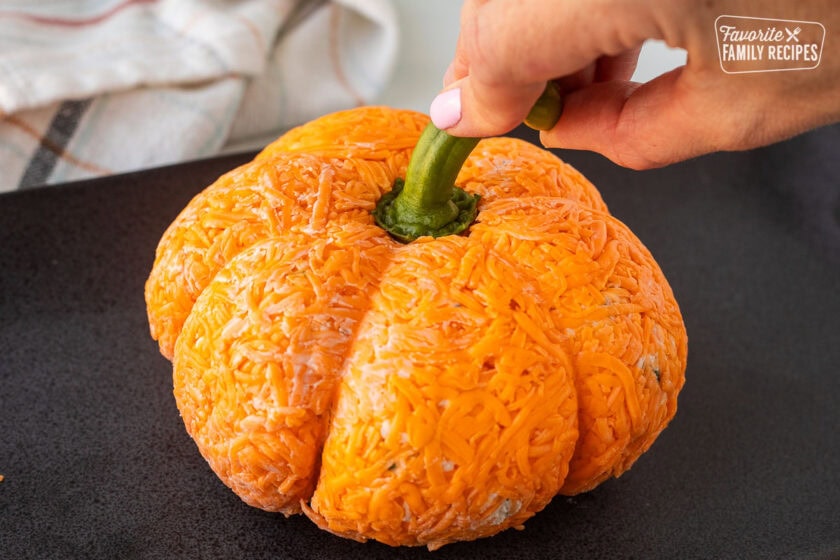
<point x="411" y="362"/>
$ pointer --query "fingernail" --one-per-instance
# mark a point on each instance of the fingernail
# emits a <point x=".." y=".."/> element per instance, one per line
<point x="446" y="109"/>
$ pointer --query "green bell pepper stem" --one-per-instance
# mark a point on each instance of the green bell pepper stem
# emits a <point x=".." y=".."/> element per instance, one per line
<point x="546" y="111"/>
<point x="428" y="203"/>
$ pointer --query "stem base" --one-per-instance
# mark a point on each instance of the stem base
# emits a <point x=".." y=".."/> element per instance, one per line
<point x="406" y="225"/>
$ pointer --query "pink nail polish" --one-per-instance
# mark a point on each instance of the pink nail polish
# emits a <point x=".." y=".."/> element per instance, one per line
<point x="446" y="109"/>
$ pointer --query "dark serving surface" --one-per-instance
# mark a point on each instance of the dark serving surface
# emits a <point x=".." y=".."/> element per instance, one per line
<point x="97" y="463"/>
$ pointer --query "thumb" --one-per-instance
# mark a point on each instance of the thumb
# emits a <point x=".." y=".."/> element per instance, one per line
<point x="470" y="108"/>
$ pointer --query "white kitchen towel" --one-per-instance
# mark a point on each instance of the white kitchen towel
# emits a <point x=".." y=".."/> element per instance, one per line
<point x="96" y="87"/>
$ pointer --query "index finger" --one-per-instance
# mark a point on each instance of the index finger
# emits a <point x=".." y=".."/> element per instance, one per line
<point x="509" y="50"/>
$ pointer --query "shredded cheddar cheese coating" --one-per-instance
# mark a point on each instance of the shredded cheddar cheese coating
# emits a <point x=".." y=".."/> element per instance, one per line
<point x="417" y="394"/>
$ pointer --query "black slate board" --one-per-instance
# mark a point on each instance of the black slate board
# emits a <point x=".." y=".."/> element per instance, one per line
<point x="97" y="463"/>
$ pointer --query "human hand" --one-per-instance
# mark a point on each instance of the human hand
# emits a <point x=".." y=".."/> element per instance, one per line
<point x="508" y="50"/>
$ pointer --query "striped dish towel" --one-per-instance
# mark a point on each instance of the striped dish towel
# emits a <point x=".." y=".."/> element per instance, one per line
<point x="96" y="87"/>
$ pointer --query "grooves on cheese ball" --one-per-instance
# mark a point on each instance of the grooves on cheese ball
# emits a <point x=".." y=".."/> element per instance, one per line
<point x="421" y="393"/>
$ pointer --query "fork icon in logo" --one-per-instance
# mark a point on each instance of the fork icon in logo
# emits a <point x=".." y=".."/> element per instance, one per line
<point x="793" y="35"/>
